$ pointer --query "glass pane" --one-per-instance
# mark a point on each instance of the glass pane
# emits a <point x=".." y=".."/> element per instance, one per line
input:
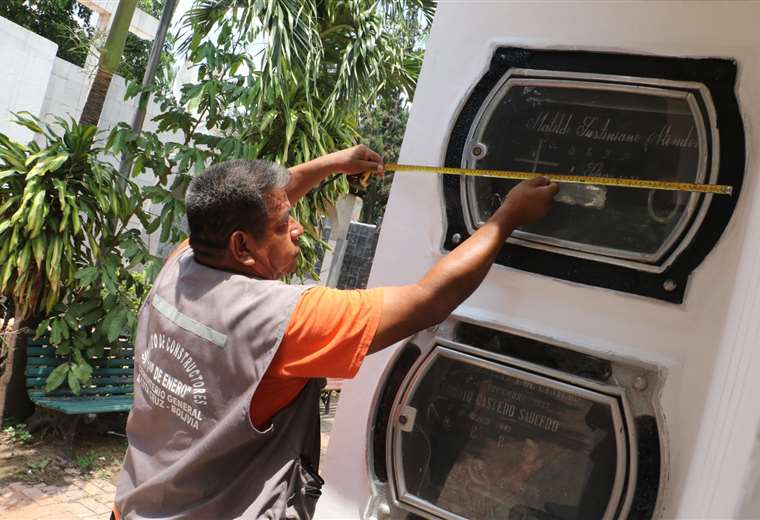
<point x="607" y="133"/>
<point x="489" y="446"/>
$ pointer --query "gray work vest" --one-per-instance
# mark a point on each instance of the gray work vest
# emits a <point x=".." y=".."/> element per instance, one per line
<point x="205" y="339"/>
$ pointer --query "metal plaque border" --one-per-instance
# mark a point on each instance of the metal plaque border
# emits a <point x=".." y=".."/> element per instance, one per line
<point x="654" y="87"/>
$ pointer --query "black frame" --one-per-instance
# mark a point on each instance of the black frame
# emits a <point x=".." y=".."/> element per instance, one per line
<point x="718" y="76"/>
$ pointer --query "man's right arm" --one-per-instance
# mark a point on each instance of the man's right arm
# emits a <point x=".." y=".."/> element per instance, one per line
<point x="411" y="308"/>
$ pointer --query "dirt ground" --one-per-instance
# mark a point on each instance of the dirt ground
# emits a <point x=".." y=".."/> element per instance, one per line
<point x="41" y="459"/>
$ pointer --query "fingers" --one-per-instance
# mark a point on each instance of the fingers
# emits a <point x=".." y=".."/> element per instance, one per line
<point x="371" y="155"/>
<point x="552" y="188"/>
<point x="363" y="166"/>
<point x="543" y="183"/>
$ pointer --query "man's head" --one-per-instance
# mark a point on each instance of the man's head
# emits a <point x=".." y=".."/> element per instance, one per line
<point x="239" y="218"/>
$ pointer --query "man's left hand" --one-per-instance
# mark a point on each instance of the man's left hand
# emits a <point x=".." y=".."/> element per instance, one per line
<point x="358" y="159"/>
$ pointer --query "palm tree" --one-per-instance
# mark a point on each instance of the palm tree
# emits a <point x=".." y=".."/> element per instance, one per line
<point x="329" y="44"/>
<point x="110" y="57"/>
<point x="321" y="65"/>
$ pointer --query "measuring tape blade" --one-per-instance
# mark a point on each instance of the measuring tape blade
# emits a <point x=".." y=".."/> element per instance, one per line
<point x="718" y="189"/>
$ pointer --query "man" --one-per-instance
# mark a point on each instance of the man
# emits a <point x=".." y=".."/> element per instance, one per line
<point x="229" y="360"/>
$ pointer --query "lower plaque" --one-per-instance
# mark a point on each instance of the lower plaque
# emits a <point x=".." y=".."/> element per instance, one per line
<point x="484" y="440"/>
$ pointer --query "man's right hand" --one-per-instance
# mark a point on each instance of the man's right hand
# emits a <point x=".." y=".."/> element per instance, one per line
<point x="411" y="308"/>
<point x="528" y="202"/>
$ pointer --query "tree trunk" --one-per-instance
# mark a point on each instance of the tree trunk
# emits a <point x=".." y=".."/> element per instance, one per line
<point x="96" y="98"/>
<point x="14" y="400"/>
<point x="110" y="57"/>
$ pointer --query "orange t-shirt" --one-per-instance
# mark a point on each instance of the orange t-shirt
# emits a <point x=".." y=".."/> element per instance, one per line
<point x="328" y="335"/>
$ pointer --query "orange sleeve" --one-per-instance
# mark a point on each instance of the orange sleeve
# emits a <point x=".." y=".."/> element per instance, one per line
<point x="177" y="250"/>
<point x="328" y="335"/>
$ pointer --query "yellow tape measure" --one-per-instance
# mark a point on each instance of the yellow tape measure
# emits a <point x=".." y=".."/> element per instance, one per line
<point x="718" y="189"/>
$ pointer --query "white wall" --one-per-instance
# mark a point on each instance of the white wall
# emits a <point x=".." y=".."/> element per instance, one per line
<point x="37" y="81"/>
<point x="708" y="347"/>
<point x="67" y="91"/>
<point x="26" y="61"/>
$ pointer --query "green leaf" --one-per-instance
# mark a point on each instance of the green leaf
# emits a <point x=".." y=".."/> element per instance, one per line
<point x="56" y="377"/>
<point x="4" y="225"/>
<point x="116" y="325"/>
<point x="91" y="317"/>
<point x="26" y="119"/>
<point x="80" y="309"/>
<point x="7" y="174"/>
<point x="83" y="371"/>
<point x="36" y="211"/>
<point x="5" y="206"/>
<point x="87" y="275"/>
<point x="74" y="384"/>
<point x="22" y="261"/>
<point x="46" y="165"/>
<point x="38" y="248"/>
<point x="41" y="329"/>
<point x="55" y="332"/>
<point x="57" y="162"/>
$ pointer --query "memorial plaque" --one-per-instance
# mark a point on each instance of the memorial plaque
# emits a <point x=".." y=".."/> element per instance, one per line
<point x="598" y="114"/>
<point x="488" y="441"/>
<point x="601" y="130"/>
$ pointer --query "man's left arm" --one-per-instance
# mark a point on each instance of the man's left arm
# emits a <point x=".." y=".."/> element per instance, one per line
<point x="351" y="161"/>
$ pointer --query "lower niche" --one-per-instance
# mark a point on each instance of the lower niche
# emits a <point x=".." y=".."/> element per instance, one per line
<point x="490" y="436"/>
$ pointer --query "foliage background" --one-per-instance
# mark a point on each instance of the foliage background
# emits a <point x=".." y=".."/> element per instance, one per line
<point x="284" y="81"/>
<point x="74" y="266"/>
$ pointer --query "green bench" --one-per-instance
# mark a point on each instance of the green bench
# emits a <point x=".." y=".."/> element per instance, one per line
<point x="110" y="390"/>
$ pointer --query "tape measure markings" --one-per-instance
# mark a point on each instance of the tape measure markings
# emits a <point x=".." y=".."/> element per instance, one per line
<point x="718" y="189"/>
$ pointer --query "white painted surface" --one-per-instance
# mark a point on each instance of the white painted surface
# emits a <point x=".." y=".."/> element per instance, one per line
<point x="142" y="24"/>
<point x="67" y="91"/>
<point x="708" y="345"/>
<point x="26" y="60"/>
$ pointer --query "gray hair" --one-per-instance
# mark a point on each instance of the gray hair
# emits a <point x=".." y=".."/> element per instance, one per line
<point x="230" y="196"/>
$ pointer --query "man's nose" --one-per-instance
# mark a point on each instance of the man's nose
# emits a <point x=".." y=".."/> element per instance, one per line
<point x="296" y="230"/>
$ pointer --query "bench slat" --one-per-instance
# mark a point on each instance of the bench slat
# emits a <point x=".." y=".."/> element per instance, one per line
<point x="40" y="351"/>
<point x="52" y="363"/>
<point x="116" y="362"/>
<point x="33" y="382"/>
<point x="47" y="350"/>
<point x="36" y="342"/>
<point x="45" y="371"/>
<point x="97" y="385"/>
<point x="76" y="405"/>
<point x="96" y="391"/>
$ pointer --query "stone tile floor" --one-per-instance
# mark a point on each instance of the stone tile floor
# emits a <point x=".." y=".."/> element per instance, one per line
<point x="78" y="498"/>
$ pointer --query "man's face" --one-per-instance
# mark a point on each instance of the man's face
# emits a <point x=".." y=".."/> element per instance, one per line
<point x="277" y="250"/>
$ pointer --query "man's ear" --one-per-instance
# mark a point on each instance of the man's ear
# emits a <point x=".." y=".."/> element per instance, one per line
<point x="240" y="246"/>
